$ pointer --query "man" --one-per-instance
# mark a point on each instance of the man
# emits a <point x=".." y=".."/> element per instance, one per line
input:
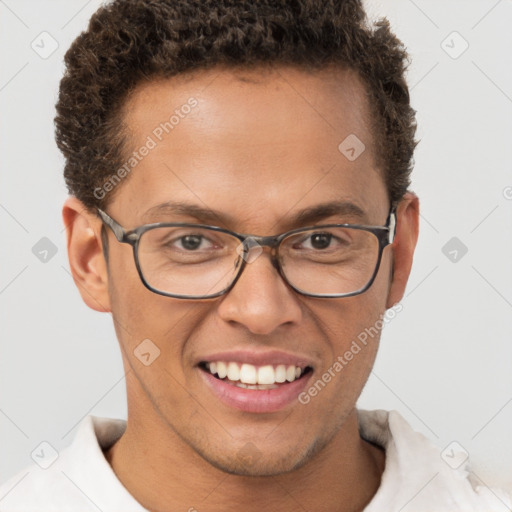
<point x="239" y="203"/>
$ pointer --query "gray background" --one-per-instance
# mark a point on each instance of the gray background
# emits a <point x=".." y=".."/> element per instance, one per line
<point x="445" y="360"/>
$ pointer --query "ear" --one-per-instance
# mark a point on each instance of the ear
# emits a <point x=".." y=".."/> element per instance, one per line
<point x="407" y="228"/>
<point x="85" y="254"/>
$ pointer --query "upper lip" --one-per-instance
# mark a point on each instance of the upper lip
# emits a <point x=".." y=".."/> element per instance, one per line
<point x="261" y="358"/>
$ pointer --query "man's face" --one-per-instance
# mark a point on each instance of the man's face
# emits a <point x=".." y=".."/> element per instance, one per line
<point x="256" y="151"/>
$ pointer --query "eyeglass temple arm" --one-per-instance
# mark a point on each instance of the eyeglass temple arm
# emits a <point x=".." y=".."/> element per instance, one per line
<point x="118" y="230"/>
<point x="392" y="225"/>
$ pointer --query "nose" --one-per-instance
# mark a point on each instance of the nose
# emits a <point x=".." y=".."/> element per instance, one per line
<point x="260" y="300"/>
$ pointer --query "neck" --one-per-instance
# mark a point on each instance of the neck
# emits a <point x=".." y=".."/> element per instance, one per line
<point x="163" y="473"/>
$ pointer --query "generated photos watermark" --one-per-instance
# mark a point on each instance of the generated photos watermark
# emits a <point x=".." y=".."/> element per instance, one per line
<point x="368" y="334"/>
<point x="152" y="140"/>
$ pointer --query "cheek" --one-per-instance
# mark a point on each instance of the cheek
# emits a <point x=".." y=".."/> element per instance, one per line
<point x="352" y="332"/>
<point x="342" y="320"/>
<point x="352" y="328"/>
<point x="153" y="333"/>
<point x="140" y="314"/>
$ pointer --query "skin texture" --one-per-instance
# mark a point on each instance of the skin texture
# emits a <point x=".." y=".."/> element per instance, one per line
<point x="260" y="146"/>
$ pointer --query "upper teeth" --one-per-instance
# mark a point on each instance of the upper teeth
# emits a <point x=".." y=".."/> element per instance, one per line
<point x="250" y="374"/>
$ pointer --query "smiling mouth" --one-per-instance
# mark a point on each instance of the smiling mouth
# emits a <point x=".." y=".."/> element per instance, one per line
<point x="248" y="376"/>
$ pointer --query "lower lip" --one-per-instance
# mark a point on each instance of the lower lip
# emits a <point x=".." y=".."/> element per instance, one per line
<point x="256" y="400"/>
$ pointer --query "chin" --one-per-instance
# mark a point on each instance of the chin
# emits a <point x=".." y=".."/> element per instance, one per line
<point x="249" y="461"/>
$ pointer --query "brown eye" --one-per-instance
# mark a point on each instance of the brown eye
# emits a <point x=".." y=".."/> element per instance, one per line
<point x="191" y="242"/>
<point x="321" y="240"/>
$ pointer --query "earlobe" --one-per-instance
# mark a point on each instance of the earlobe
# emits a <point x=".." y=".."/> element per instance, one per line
<point x="85" y="254"/>
<point x="407" y="229"/>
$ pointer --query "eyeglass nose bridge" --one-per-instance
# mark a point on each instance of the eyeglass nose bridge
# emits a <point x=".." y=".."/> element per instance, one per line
<point x="252" y="246"/>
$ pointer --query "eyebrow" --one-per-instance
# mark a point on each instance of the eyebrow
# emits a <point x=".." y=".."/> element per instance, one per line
<point x="302" y="218"/>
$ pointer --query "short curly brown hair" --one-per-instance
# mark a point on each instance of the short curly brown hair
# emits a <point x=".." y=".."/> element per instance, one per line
<point x="131" y="41"/>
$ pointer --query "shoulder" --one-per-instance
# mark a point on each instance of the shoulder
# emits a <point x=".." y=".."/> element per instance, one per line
<point x="419" y="476"/>
<point x="34" y="489"/>
<point x="45" y="485"/>
<point x="79" y="479"/>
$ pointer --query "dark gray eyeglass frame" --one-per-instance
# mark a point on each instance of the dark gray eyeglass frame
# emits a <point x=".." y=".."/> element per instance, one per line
<point x="384" y="234"/>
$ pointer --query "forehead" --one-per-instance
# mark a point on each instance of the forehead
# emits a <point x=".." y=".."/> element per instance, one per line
<point x="230" y="98"/>
<point x="241" y="140"/>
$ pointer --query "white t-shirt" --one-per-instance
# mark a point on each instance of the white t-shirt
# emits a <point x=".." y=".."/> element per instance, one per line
<point x="418" y="477"/>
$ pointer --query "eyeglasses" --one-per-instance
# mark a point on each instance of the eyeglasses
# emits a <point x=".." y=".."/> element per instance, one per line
<point x="196" y="261"/>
